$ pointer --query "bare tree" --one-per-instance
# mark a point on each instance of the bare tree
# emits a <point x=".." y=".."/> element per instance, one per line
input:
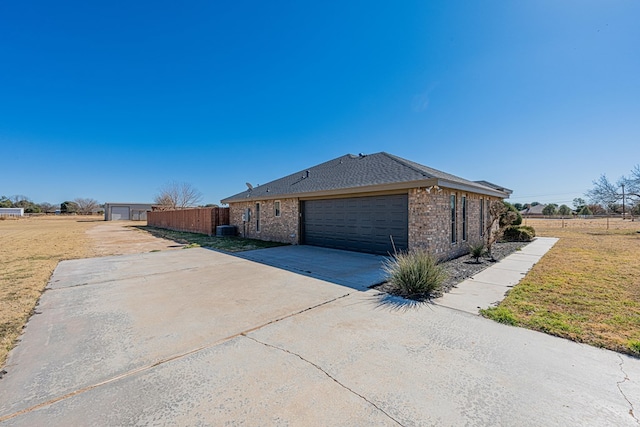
<point x="86" y="206"/>
<point x="632" y="183"/>
<point x="178" y="195"/>
<point x="47" y="207"/>
<point x="612" y="195"/>
<point x="604" y="192"/>
<point x="18" y="199"/>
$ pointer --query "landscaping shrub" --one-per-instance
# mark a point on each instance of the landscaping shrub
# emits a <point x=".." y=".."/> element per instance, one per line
<point x="476" y="250"/>
<point x="521" y="233"/>
<point x="511" y="216"/>
<point x="530" y="229"/>
<point x="414" y="274"/>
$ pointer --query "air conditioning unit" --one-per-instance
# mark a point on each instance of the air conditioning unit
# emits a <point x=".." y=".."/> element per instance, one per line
<point x="226" y="230"/>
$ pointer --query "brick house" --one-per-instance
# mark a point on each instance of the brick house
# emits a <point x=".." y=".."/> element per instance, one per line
<point x="368" y="203"/>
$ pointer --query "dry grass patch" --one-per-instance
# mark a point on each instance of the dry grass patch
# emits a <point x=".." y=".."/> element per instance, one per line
<point x="191" y="240"/>
<point x="587" y="288"/>
<point x="30" y="249"/>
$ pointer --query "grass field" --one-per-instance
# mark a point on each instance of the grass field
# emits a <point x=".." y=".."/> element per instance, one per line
<point x="30" y="249"/>
<point x="587" y="288"/>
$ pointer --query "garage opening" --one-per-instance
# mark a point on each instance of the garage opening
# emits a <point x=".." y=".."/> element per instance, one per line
<point x="363" y="224"/>
<point x="120" y="213"/>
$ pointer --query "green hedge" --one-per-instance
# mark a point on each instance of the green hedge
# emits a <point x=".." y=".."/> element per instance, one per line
<point x="521" y="233"/>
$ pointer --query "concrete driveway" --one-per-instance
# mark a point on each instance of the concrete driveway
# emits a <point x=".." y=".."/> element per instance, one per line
<point x="351" y="269"/>
<point x="197" y="337"/>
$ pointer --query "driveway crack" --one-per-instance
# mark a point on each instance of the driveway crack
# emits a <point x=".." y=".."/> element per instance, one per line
<point x="102" y="282"/>
<point x="334" y="379"/>
<point x="168" y="359"/>
<point x="625" y="379"/>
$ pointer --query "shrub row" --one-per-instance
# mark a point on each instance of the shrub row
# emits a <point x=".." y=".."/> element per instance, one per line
<point x="519" y="233"/>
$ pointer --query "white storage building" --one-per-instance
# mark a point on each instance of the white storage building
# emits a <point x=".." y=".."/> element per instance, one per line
<point x="126" y="211"/>
<point x="11" y="211"/>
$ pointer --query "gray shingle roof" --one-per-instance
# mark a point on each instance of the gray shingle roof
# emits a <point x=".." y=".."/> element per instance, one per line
<point x="359" y="173"/>
<point x="533" y="210"/>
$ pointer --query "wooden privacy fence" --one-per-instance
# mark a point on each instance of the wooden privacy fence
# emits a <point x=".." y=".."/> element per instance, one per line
<point x="200" y="220"/>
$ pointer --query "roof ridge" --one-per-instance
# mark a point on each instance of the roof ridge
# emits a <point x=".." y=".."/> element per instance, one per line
<point x="403" y="162"/>
<point x="359" y="172"/>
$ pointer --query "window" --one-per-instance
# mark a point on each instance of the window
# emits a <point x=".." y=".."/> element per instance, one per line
<point x="453" y="218"/>
<point x="276" y="208"/>
<point x="464" y="218"/>
<point x="482" y="217"/>
<point x="257" y="216"/>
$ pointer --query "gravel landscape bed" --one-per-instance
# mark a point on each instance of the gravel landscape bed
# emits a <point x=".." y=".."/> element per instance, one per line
<point x="461" y="268"/>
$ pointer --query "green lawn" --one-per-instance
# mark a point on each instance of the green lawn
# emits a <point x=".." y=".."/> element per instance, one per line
<point x="586" y="288"/>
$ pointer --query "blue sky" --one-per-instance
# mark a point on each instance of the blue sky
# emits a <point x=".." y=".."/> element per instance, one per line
<point x="111" y="100"/>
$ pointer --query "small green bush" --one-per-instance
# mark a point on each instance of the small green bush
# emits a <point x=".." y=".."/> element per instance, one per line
<point x="414" y="274"/>
<point x="585" y="211"/>
<point x="511" y="216"/>
<point x="634" y="346"/>
<point x="530" y="229"/>
<point x="518" y="234"/>
<point x="476" y="250"/>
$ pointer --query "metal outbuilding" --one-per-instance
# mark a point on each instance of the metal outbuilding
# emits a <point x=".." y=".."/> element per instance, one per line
<point x="126" y="211"/>
<point x="11" y="211"/>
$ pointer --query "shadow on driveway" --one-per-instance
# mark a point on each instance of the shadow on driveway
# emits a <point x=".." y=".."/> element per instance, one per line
<point x="355" y="270"/>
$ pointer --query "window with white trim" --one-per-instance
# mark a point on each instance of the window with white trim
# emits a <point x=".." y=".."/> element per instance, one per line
<point x="276" y="208"/>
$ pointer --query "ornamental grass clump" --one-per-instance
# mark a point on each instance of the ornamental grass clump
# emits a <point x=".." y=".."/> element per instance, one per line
<point x="476" y="250"/>
<point x="414" y="274"/>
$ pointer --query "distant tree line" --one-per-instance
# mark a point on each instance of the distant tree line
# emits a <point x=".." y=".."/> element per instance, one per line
<point x="606" y="197"/>
<point x="580" y="207"/>
<point x="83" y="206"/>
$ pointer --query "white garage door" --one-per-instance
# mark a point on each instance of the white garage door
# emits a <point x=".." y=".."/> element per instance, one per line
<point x="120" y="213"/>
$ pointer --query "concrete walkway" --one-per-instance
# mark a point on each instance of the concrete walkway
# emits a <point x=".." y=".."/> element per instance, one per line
<point x="488" y="287"/>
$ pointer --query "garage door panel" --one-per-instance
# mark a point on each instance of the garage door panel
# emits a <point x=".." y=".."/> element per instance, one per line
<point x="359" y="224"/>
<point x="119" y="213"/>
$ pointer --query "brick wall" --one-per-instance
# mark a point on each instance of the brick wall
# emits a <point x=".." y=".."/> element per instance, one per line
<point x="201" y="220"/>
<point x="275" y="229"/>
<point x="430" y="221"/>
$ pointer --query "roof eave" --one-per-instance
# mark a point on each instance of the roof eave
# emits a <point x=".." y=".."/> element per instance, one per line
<point x="370" y="189"/>
<point x="473" y="189"/>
